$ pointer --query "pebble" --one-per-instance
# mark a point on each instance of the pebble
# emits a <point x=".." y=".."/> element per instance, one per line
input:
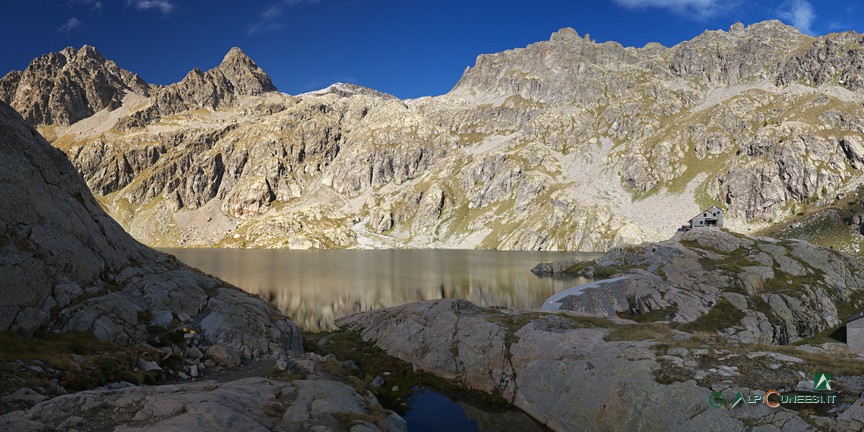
<point x="377" y="382"/>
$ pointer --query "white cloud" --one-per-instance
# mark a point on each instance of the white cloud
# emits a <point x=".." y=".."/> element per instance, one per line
<point x="799" y="13"/>
<point x="268" y="19"/>
<point x="164" y="6"/>
<point x="70" y="25"/>
<point x="699" y="9"/>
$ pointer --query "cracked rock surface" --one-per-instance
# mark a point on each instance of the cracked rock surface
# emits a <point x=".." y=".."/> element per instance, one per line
<point x="574" y="372"/>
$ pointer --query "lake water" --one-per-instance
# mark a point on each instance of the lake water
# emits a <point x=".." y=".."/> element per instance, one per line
<point x="314" y="287"/>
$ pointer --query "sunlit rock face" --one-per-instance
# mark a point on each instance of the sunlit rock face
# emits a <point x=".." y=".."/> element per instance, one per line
<point x="565" y="144"/>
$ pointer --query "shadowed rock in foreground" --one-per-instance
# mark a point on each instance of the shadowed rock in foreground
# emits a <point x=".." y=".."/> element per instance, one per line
<point x="66" y="266"/>
<point x="247" y="404"/>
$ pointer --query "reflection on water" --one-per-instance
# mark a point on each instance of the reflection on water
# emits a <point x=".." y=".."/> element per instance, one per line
<point x="431" y="411"/>
<point x="315" y="287"/>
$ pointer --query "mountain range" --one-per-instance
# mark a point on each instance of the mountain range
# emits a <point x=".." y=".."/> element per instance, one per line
<point x="566" y="144"/>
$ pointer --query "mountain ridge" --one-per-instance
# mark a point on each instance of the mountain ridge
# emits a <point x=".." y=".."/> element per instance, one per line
<point x="563" y="144"/>
<point x="68" y="86"/>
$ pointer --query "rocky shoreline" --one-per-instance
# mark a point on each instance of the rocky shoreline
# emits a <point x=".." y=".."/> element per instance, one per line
<point x="704" y="315"/>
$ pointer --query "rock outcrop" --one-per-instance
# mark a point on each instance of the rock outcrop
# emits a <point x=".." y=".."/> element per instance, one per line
<point x="64" y="87"/>
<point x="752" y="290"/>
<point x="563" y="144"/>
<point x="574" y="372"/>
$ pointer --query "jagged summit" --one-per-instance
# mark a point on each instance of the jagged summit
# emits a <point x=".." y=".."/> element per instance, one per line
<point x="67" y="86"/>
<point x="247" y="78"/>
<point x="236" y="54"/>
<point x="569" y="68"/>
<point x="73" y="84"/>
<point x="236" y="76"/>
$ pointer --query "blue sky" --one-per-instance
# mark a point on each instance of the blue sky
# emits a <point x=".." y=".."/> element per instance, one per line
<point x="404" y="47"/>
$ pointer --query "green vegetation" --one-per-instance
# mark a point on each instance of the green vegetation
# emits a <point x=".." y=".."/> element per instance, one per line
<point x="640" y="332"/>
<point x="827" y="226"/>
<point x="663" y="314"/>
<point x="84" y="362"/>
<point x="722" y="316"/>
<point x="831" y="335"/>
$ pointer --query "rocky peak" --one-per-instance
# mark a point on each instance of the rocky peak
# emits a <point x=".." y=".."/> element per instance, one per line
<point x="566" y="34"/>
<point x="246" y="77"/>
<point x="236" y="55"/>
<point x="221" y="86"/>
<point x="69" y="85"/>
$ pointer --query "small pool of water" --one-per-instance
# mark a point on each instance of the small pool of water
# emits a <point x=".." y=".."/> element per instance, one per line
<point x="431" y="411"/>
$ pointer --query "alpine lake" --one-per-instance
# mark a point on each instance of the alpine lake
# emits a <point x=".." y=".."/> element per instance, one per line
<point x="316" y="287"/>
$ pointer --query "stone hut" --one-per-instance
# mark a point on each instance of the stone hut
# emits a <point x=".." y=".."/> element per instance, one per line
<point x="855" y="332"/>
<point x="712" y="217"/>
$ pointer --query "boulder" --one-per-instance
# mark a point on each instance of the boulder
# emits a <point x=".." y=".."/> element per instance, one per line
<point x="223" y="356"/>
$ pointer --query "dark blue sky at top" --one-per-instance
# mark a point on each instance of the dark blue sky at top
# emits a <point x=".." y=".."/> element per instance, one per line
<point x="404" y="47"/>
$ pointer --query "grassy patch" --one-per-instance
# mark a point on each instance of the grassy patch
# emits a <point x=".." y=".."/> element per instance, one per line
<point x="722" y="316"/>
<point x="639" y="332"/>
<point x="757" y="303"/>
<point x="831" y="335"/>
<point x="83" y="361"/>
